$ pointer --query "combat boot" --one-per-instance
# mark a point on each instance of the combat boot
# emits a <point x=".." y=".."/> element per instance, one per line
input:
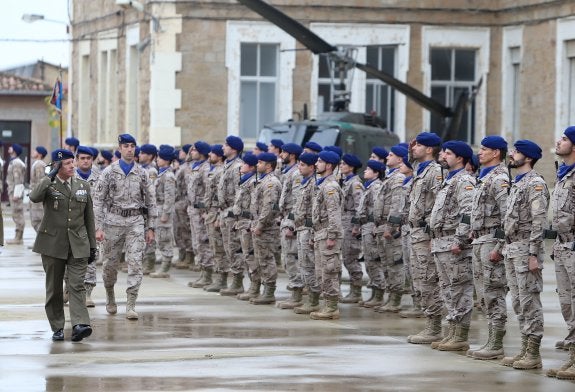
<point x="431" y="333"/>
<point x="354" y="295"/>
<point x="237" y="286"/>
<point x="569" y="372"/>
<point x="413" y="312"/>
<point x="205" y="278"/>
<point x="181" y="263"/>
<point x="111" y="306"/>
<point x="509" y="361"/>
<point x="371" y="296"/>
<point x="330" y="310"/>
<point x="295" y="300"/>
<point x="252" y="292"/>
<point x="471" y="351"/>
<point x="494" y="347"/>
<point x="267" y="298"/>
<point x="191" y="261"/>
<point x="450" y="332"/>
<point x="89" y="302"/>
<point x="17" y="239"/>
<point x="220" y="284"/>
<point x="392" y="306"/>
<point x="131" y="305"/>
<point x="149" y="263"/>
<point x="376" y="301"/>
<point x="532" y="357"/>
<point x="163" y="272"/>
<point x="459" y="340"/>
<point x="312" y="304"/>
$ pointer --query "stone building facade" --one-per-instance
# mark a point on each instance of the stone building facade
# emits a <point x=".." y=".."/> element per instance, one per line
<point x="181" y="70"/>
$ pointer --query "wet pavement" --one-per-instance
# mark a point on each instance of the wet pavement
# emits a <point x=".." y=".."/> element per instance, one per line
<point x="188" y="339"/>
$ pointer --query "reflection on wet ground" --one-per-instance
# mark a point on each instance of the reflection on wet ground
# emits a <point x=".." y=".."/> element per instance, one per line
<point x="188" y="339"/>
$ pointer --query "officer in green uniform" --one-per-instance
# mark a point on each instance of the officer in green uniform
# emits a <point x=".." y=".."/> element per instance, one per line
<point x="66" y="240"/>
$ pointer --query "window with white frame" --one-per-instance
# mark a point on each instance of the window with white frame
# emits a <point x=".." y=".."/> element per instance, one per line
<point x="452" y="73"/>
<point x="379" y="97"/>
<point x="258" y="86"/>
<point x="515" y="57"/>
<point x="570" y="53"/>
<point x="132" y="119"/>
<point x="84" y="98"/>
<point x="107" y="93"/>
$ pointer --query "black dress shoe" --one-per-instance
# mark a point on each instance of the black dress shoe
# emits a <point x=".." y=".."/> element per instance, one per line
<point x="81" y="331"/>
<point x="58" y="336"/>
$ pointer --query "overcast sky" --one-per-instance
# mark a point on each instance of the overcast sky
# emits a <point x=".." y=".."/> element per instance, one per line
<point x="13" y="31"/>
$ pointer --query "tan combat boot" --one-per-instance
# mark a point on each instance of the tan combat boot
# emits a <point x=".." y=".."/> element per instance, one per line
<point x="295" y="300"/>
<point x="149" y="263"/>
<point x="471" y="351"/>
<point x="252" y="292"/>
<point x="131" y="305"/>
<point x="509" y="361"/>
<point x="569" y="372"/>
<point x="450" y="332"/>
<point x="312" y="304"/>
<point x="371" y="296"/>
<point x="205" y="279"/>
<point x="431" y="333"/>
<point x="193" y="265"/>
<point x="89" y="302"/>
<point x="330" y="310"/>
<point x="236" y="288"/>
<point x="111" y="306"/>
<point x="163" y="272"/>
<point x="181" y="263"/>
<point x="494" y="347"/>
<point x="392" y="306"/>
<point x="220" y="284"/>
<point x="17" y="239"/>
<point x="459" y="341"/>
<point x="532" y="357"/>
<point x="354" y="295"/>
<point x="267" y="298"/>
<point x="566" y="366"/>
<point x="377" y="299"/>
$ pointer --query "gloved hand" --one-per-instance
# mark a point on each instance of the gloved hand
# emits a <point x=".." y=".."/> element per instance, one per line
<point x="54" y="171"/>
<point x="93" y="255"/>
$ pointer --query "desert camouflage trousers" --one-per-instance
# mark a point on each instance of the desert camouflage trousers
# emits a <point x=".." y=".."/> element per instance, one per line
<point x="350" y="250"/>
<point x="525" y="287"/>
<point x="289" y="257"/>
<point x="373" y="264"/>
<point x="18" y="213"/>
<point x="426" y="279"/>
<point x="131" y="240"/>
<point x="165" y="242"/>
<point x="565" y="274"/>
<point x="232" y="246"/>
<point x="407" y="264"/>
<point x="265" y="246"/>
<point x="306" y="260"/>
<point x="216" y="240"/>
<point x="182" y="230"/>
<point x="391" y="255"/>
<point x="249" y="260"/>
<point x="328" y="266"/>
<point x="199" y="238"/>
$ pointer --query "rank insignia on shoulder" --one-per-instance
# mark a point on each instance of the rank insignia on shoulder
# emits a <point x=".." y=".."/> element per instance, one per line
<point x="538" y="187"/>
<point x="505" y="185"/>
<point x="440" y="178"/>
<point x="358" y="186"/>
<point x="270" y="185"/>
<point x="469" y="188"/>
<point x="330" y="192"/>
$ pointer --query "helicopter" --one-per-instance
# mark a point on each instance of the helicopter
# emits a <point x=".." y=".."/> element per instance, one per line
<point x="340" y="127"/>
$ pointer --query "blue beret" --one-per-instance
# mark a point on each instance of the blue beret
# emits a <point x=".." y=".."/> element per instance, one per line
<point x="335" y="149"/>
<point x="61" y="154"/>
<point x="309" y="158"/>
<point x="267" y="157"/>
<point x="186" y="148"/>
<point x="376" y="165"/>
<point x="137" y="151"/>
<point x="166" y="153"/>
<point x="262" y="146"/>
<point x="528" y="148"/>
<point x="117" y="154"/>
<point x="95" y="151"/>
<point x="17" y="148"/>
<point x="107" y="155"/>
<point x="313" y="146"/>
<point x="329" y="157"/>
<point x="404" y="145"/>
<point x="292" y="148"/>
<point x="42" y="151"/>
<point x="72" y="141"/>
<point x="84" y="150"/>
<point x="428" y="139"/>
<point x="351" y="160"/>
<point x="277" y="143"/>
<point x="149" y="149"/>
<point x="570" y="133"/>
<point x="202" y="147"/>
<point x="250" y="159"/>
<point x="406" y="162"/>
<point x="399" y="150"/>
<point x="380" y="152"/>
<point x="126" y="138"/>
<point x="218" y="150"/>
<point x="494" y="142"/>
<point x="235" y="142"/>
<point x="459" y="148"/>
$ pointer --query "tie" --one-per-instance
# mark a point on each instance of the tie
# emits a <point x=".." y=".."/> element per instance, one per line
<point x="67" y="185"/>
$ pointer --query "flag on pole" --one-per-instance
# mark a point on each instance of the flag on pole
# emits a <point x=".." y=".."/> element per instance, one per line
<point x="57" y="95"/>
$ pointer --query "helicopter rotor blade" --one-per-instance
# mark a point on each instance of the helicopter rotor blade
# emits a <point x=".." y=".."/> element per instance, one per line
<point x="404" y="88"/>
<point x="301" y="33"/>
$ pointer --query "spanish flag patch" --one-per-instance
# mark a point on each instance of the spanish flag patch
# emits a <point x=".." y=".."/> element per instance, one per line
<point x="358" y="186"/>
<point x="440" y="178"/>
<point x="505" y="185"/>
<point x="538" y="187"/>
<point x="469" y="188"/>
<point x="330" y="192"/>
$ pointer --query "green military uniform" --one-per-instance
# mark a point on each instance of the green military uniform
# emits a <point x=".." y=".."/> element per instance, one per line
<point x="64" y="239"/>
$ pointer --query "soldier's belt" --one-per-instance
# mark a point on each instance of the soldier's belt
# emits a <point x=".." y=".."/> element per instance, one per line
<point x="246" y="215"/>
<point x="290" y="216"/>
<point x="421" y="224"/>
<point x="308" y="222"/>
<point x="199" y="205"/>
<point x="485" y="231"/>
<point x="126" y="212"/>
<point x="441" y="233"/>
<point x="518" y="236"/>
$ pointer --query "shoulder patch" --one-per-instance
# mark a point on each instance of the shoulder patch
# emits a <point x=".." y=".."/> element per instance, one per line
<point x="358" y="186"/>
<point x="538" y="187"/>
<point x="270" y="185"/>
<point x="469" y="188"/>
<point x="439" y="178"/>
<point x="505" y="185"/>
<point x="330" y="192"/>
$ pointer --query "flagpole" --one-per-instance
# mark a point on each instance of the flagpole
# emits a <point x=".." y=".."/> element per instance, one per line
<point x="60" y="114"/>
